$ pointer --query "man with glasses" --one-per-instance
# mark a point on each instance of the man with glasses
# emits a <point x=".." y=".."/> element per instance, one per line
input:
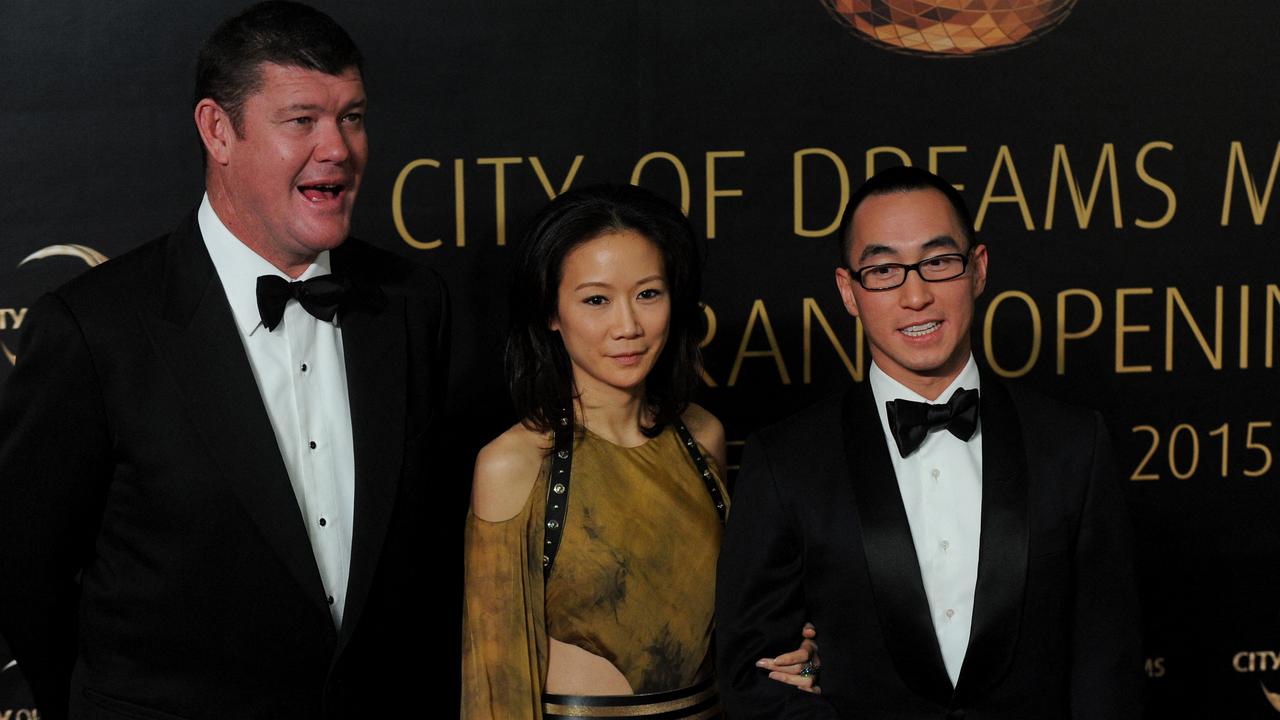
<point x="962" y="544"/>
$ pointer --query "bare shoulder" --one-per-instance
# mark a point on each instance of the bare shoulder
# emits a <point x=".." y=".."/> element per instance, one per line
<point x="707" y="430"/>
<point x="506" y="470"/>
<point x="702" y="423"/>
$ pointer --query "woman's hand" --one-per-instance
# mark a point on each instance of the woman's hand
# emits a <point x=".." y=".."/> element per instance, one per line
<point x="798" y="667"/>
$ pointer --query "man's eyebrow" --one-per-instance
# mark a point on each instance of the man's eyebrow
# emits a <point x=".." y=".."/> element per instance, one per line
<point x="876" y="250"/>
<point x="942" y="241"/>
<point x="312" y="107"/>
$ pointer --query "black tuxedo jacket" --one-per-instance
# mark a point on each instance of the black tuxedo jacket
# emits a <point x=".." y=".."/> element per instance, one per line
<point x="818" y="532"/>
<point x="155" y="563"/>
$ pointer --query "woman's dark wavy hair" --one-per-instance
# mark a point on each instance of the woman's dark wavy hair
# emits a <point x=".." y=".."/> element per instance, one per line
<point x="539" y="372"/>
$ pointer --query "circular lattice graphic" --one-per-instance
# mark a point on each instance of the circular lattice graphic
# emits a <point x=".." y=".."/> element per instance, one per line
<point x="950" y="28"/>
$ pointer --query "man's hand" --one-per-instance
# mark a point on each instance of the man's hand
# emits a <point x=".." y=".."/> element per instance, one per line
<point x="798" y="667"/>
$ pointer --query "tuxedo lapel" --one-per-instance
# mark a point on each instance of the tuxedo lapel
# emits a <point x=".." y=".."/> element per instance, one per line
<point x="891" y="556"/>
<point x="195" y="335"/>
<point x="1002" y="554"/>
<point x="375" y="349"/>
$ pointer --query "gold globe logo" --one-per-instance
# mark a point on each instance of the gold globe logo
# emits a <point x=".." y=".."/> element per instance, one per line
<point x="84" y="253"/>
<point x="1273" y="698"/>
<point x="949" y="28"/>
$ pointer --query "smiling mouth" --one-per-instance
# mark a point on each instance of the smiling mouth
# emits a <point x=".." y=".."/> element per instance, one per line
<point x="321" y="192"/>
<point x="628" y="358"/>
<point x="922" y="329"/>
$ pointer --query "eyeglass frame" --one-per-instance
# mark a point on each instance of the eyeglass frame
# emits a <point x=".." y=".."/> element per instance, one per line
<point x="965" y="257"/>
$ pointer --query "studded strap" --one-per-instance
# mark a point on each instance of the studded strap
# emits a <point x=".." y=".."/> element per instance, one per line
<point x="558" y="487"/>
<point x="557" y="495"/>
<point x="703" y="469"/>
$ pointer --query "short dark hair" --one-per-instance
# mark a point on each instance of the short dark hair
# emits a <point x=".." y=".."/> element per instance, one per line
<point x="901" y="179"/>
<point x="539" y="372"/>
<point x="229" y="68"/>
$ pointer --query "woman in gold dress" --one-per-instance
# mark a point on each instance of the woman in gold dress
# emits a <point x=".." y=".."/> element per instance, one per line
<point x="595" y="522"/>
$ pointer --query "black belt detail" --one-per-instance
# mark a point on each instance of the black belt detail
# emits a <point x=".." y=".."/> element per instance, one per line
<point x="697" y="700"/>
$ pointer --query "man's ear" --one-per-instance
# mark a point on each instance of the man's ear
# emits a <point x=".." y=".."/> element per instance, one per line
<point x="216" y="131"/>
<point x="979" y="262"/>
<point x="844" y="283"/>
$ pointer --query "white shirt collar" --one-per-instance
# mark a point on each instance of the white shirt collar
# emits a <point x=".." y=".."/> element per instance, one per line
<point x="886" y="388"/>
<point x="239" y="267"/>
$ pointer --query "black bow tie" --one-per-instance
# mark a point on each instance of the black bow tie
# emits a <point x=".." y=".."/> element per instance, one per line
<point x="321" y="296"/>
<point x="911" y="421"/>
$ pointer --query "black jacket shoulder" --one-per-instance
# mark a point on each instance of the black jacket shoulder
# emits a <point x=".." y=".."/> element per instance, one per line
<point x="366" y="260"/>
<point x="820" y="421"/>
<point x="124" y="276"/>
<point x="1060" y="431"/>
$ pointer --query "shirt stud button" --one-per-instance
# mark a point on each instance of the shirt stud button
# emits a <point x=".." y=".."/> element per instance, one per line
<point x="323" y="522"/>
<point x="304" y="367"/>
<point x="312" y="444"/>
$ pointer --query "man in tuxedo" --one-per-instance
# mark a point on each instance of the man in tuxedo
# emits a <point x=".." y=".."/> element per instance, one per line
<point x="962" y="545"/>
<point x="216" y="450"/>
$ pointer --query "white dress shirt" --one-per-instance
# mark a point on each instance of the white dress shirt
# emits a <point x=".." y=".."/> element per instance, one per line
<point x="941" y="486"/>
<point x="302" y="378"/>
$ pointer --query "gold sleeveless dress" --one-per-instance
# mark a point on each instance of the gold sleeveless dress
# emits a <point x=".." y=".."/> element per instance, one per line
<point x="634" y="580"/>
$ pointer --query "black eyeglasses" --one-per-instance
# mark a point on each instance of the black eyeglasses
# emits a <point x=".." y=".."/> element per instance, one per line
<point x="887" y="276"/>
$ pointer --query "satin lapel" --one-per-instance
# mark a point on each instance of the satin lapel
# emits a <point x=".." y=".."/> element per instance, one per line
<point x="375" y="349"/>
<point x="891" y="555"/>
<point x="196" y="337"/>
<point x="1002" y="554"/>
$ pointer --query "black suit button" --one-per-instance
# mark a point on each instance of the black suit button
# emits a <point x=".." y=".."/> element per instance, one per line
<point x="957" y="715"/>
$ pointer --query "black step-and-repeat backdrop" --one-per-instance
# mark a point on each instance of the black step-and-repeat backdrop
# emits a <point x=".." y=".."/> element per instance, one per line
<point x="1120" y="159"/>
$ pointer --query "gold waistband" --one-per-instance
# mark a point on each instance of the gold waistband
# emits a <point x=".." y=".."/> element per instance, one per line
<point x="696" y="702"/>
